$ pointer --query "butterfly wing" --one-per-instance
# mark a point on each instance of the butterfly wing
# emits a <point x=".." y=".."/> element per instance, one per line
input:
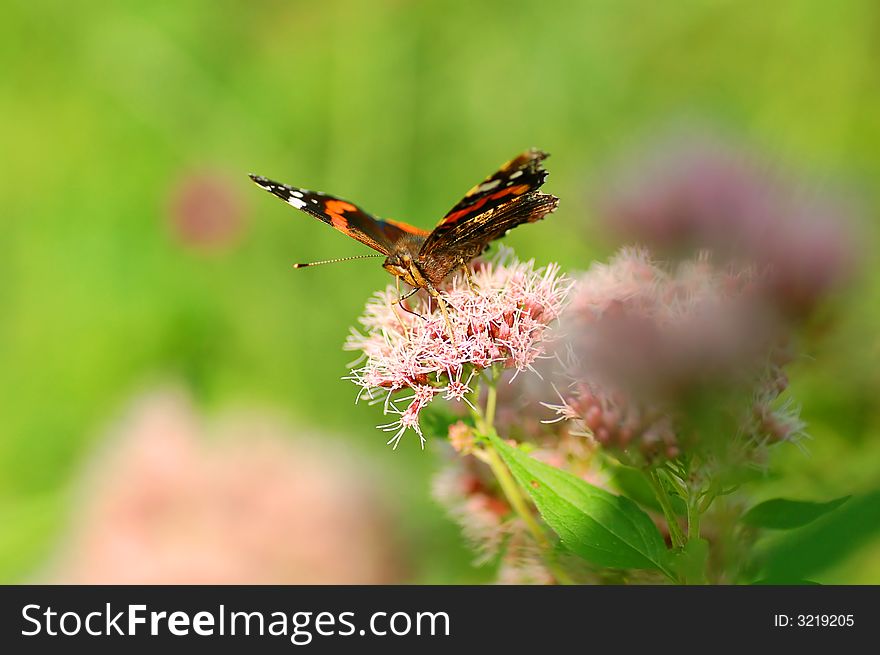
<point x="519" y="176"/>
<point x="505" y="199"/>
<point x="348" y="218"/>
<point x="468" y="239"/>
<point x="398" y="231"/>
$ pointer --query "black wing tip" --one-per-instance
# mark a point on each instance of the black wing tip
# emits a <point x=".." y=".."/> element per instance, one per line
<point x="260" y="181"/>
<point x="537" y="153"/>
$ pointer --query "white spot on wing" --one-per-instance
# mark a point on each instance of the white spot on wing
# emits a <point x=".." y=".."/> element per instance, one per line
<point x="296" y="202"/>
<point x="513" y="176"/>
<point x="298" y="194"/>
<point x="488" y="186"/>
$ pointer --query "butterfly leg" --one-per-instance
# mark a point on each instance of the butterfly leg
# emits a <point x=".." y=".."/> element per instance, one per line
<point x="470" y="280"/>
<point x="442" y="304"/>
<point x="400" y="300"/>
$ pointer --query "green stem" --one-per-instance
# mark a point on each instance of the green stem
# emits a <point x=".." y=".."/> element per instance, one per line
<point x="518" y="503"/>
<point x="693" y="516"/>
<point x="693" y="521"/>
<point x="486" y="426"/>
<point x="675" y="533"/>
<point x="707" y="500"/>
<point x="491" y="401"/>
<point x="513" y="495"/>
<point x="479" y="421"/>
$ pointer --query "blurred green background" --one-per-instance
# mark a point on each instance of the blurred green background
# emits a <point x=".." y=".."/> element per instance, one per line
<point x="115" y="115"/>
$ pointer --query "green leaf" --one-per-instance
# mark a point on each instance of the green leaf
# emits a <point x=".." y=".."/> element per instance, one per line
<point x="782" y="514"/>
<point x="607" y="530"/>
<point x="632" y="483"/>
<point x="802" y="553"/>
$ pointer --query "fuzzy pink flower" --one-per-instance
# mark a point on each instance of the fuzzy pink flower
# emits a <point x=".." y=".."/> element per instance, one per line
<point x="648" y="341"/>
<point x="703" y="192"/>
<point x="482" y="516"/>
<point x="466" y="490"/>
<point x="173" y="499"/>
<point x="503" y="322"/>
<point x="665" y="330"/>
<point x="204" y="211"/>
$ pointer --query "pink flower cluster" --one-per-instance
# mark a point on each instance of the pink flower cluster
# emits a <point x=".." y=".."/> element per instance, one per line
<point x="702" y="192"/>
<point x="502" y="321"/>
<point x="647" y="341"/>
<point x="666" y="329"/>
<point x="173" y="498"/>
<point x="616" y="423"/>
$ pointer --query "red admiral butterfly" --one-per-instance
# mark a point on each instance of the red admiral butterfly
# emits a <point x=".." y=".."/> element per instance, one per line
<point x="508" y="198"/>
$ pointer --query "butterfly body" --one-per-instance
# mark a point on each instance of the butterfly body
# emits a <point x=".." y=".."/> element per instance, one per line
<point x="422" y="259"/>
<point x="402" y="264"/>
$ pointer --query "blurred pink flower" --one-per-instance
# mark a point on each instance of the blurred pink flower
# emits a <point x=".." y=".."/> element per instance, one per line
<point x="205" y="212"/>
<point x="665" y="330"/>
<point x="701" y="192"/>
<point x="246" y="504"/>
<point x="646" y="340"/>
<point x="461" y="437"/>
<point x="463" y="491"/>
<point x="466" y="489"/>
<point x="503" y="322"/>
<point x="523" y="563"/>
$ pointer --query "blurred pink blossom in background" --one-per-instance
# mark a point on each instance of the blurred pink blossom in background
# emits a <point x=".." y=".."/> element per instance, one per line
<point x="688" y="340"/>
<point x="699" y="191"/>
<point x="240" y="502"/>
<point x="464" y="488"/>
<point x="664" y="329"/>
<point x="647" y="340"/>
<point x="205" y="212"/>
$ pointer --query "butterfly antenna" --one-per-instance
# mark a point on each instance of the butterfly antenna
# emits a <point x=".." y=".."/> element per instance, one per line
<point x="333" y="261"/>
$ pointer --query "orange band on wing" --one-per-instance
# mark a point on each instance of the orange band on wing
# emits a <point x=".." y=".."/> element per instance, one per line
<point x="406" y="227"/>
<point x="461" y="213"/>
<point x="335" y="210"/>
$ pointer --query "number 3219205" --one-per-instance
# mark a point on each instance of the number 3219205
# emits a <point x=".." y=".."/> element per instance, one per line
<point x="824" y="620"/>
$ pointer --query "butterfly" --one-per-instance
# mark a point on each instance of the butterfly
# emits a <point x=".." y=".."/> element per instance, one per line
<point x="507" y="198"/>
